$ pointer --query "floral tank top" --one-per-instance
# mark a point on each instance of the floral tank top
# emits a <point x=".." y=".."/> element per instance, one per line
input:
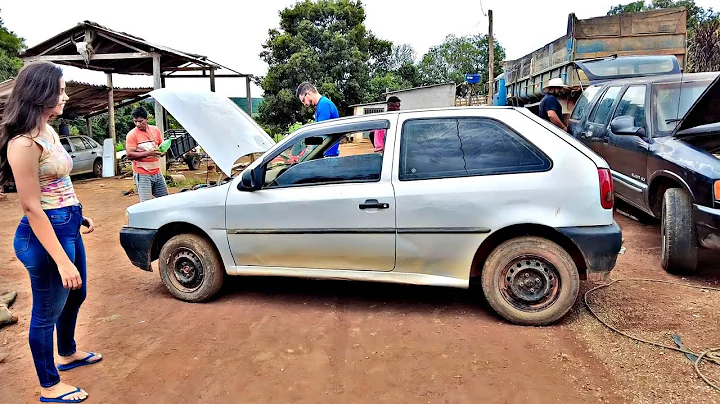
<point x="56" y="189"/>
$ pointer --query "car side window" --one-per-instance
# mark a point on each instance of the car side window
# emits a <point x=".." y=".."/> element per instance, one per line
<point x="583" y="104"/>
<point x="632" y="104"/>
<point x="299" y="166"/>
<point x="604" y="106"/>
<point x="77" y="143"/>
<point x="66" y="144"/>
<point x="88" y="144"/>
<point x="463" y="147"/>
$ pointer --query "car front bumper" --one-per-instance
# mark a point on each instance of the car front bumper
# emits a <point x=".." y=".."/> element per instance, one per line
<point x="137" y="244"/>
<point x="599" y="245"/>
<point x="707" y="223"/>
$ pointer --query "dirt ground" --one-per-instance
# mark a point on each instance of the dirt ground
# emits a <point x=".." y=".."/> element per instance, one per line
<point x="269" y="340"/>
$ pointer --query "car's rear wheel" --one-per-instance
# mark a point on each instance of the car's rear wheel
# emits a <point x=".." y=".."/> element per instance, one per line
<point x="679" y="250"/>
<point x="97" y="168"/>
<point x="191" y="268"/>
<point x="530" y="281"/>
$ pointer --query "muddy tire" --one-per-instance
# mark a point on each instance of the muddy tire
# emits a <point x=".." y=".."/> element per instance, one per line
<point x="679" y="252"/>
<point x="530" y="281"/>
<point x="97" y="168"/>
<point x="191" y="268"/>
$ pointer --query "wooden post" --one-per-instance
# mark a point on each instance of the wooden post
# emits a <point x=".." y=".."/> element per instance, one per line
<point x="89" y="122"/>
<point x="247" y="94"/>
<point x="491" y="64"/>
<point x="111" y="118"/>
<point x="159" y="112"/>
<point x="212" y="79"/>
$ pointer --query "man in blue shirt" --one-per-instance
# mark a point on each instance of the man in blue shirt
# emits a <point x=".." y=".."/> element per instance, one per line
<point x="324" y="109"/>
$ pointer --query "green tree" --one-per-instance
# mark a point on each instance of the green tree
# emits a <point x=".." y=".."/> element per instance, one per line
<point x="457" y="56"/>
<point x="10" y="47"/>
<point x="696" y="15"/>
<point x="326" y="43"/>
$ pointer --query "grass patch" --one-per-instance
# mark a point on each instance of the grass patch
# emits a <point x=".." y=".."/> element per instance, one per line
<point x="186" y="183"/>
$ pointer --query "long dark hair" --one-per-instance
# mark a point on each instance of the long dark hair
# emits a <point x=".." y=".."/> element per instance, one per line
<point x="36" y="89"/>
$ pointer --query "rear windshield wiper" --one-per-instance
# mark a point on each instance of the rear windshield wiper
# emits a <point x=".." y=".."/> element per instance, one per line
<point x="673" y="120"/>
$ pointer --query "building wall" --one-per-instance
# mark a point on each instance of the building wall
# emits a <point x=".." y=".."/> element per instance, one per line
<point x="368" y="108"/>
<point x="426" y="97"/>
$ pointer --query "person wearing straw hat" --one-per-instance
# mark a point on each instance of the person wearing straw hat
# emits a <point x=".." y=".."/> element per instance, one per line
<point x="550" y="108"/>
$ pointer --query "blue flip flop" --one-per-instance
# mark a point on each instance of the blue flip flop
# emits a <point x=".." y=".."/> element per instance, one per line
<point x="80" y="362"/>
<point x="61" y="399"/>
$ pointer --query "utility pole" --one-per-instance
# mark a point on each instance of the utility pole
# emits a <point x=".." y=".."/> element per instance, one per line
<point x="491" y="64"/>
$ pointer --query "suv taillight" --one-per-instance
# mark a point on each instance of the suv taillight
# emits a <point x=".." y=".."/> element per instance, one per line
<point x="607" y="194"/>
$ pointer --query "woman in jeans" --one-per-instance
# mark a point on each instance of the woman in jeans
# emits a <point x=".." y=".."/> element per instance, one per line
<point x="47" y="240"/>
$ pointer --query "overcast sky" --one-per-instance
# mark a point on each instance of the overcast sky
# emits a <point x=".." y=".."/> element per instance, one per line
<point x="232" y="35"/>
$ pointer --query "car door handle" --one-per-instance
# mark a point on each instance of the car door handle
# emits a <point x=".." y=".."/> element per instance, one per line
<point x="72" y="155"/>
<point x="374" y="204"/>
<point x="93" y="152"/>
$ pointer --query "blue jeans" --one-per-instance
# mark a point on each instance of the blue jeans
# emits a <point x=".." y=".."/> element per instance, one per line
<point x="53" y="305"/>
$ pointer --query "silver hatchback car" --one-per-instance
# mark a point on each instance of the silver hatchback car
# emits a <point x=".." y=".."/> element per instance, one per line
<point x="456" y="193"/>
<point x="86" y="154"/>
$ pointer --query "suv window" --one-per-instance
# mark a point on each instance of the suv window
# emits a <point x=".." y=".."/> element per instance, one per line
<point x="582" y="106"/>
<point x="632" y="103"/>
<point x="77" y="143"/>
<point x="301" y="164"/>
<point x="462" y="147"/>
<point x="603" y="107"/>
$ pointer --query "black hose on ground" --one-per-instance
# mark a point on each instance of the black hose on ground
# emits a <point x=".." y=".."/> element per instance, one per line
<point x="710" y="355"/>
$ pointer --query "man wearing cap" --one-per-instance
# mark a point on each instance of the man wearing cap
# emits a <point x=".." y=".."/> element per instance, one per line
<point x="550" y="108"/>
<point x="377" y="137"/>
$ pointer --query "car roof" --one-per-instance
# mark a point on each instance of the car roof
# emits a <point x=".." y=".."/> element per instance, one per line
<point x="386" y="114"/>
<point x="665" y="78"/>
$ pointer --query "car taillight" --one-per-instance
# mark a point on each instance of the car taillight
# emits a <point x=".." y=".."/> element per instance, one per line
<point x="607" y="194"/>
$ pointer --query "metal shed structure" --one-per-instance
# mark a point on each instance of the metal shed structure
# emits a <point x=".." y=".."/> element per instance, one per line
<point x="92" y="46"/>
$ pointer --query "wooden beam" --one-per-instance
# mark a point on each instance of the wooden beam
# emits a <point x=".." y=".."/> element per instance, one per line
<point x="212" y="80"/>
<point x="248" y="95"/>
<point x="89" y="122"/>
<point x="111" y="117"/>
<point x="120" y="42"/>
<point x="187" y="69"/>
<point x="97" y="56"/>
<point x="217" y="76"/>
<point x="159" y="117"/>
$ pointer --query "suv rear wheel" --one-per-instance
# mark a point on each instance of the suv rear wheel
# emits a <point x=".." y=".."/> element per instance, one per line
<point x="191" y="268"/>
<point x="677" y="228"/>
<point x="530" y="281"/>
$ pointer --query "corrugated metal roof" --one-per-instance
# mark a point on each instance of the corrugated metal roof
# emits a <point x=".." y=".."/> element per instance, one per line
<point x="85" y="98"/>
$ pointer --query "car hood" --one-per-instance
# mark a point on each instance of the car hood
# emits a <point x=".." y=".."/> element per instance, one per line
<point x="705" y="111"/>
<point x="222" y="129"/>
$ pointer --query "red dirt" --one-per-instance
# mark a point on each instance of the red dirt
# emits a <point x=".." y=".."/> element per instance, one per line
<point x="269" y="340"/>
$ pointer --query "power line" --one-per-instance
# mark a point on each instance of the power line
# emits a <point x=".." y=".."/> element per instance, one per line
<point x="482" y="9"/>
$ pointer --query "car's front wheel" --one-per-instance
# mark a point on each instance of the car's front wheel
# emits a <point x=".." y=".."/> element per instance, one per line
<point x="191" y="268"/>
<point x="530" y="281"/>
<point x="678" y="235"/>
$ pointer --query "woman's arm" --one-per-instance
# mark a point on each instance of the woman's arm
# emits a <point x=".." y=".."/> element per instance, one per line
<point x="24" y="156"/>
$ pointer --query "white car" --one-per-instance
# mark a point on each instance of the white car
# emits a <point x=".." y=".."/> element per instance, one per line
<point x="457" y="193"/>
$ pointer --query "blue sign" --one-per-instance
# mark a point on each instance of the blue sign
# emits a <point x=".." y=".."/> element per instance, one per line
<point x="472" y="78"/>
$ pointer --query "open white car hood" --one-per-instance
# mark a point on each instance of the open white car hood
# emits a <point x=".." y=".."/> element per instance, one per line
<point x="222" y="129"/>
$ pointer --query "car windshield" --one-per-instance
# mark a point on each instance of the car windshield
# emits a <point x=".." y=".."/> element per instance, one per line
<point x="672" y="101"/>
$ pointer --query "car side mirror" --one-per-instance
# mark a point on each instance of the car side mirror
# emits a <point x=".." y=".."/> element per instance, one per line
<point x="247" y="181"/>
<point x="625" y="125"/>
